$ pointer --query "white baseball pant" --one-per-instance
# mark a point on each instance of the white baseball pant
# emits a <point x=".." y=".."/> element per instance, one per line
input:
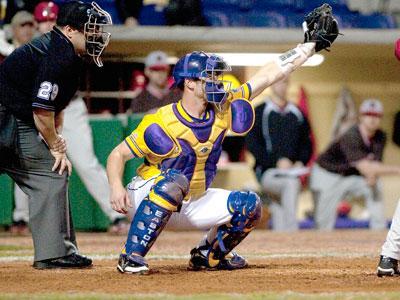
<point x="208" y="211"/>
<point x="391" y="247"/>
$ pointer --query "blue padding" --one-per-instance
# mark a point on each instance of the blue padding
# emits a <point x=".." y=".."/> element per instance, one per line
<point x="376" y="21"/>
<point x="341" y="223"/>
<point x="109" y="6"/>
<point x="309" y="5"/>
<point x="272" y="19"/>
<point x="217" y="18"/>
<point x="152" y="15"/>
<point x="227" y="4"/>
<point x="239" y="19"/>
<point x="294" y="20"/>
<point x="347" y="223"/>
<point x="148" y="222"/>
<point x="347" y="20"/>
<point x="274" y="4"/>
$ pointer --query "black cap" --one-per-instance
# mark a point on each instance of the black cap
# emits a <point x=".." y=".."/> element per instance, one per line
<point x="75" y="14"/>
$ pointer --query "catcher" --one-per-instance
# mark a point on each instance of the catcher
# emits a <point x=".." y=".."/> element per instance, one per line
<point x="181" y="145"/>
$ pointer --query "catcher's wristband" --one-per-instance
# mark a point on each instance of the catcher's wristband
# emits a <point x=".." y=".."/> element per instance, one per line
<point x="286" y="61"/>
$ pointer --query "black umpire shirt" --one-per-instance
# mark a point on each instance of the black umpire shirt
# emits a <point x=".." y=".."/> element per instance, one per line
<point x="41" y="74"/>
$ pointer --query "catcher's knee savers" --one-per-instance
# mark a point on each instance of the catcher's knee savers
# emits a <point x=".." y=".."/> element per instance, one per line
<point x="246" y="210"/>
<point x="153" y="213"/>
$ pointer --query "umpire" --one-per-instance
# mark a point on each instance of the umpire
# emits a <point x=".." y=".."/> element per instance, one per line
<point x="37" y="81"/>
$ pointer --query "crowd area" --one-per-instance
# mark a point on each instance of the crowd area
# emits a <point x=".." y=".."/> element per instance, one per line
<point x="252" y="13"/>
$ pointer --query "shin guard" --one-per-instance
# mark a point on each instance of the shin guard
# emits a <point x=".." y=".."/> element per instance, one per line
<point x="153" y="213"/>
<point x="246" y="210"/>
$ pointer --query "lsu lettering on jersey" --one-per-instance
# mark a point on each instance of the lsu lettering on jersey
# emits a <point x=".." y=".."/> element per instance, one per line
<point x="171" y="138"/>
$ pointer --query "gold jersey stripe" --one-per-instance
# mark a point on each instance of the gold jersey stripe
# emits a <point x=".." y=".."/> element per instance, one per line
<point x="134" y="147"/>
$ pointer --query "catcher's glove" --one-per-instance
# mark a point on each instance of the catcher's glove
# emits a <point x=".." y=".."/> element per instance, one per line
<point x="320" y="27"/>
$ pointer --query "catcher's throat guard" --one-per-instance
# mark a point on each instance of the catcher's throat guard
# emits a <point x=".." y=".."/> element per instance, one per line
<point x="96" y="38"/>
<point x="216" y="88"/>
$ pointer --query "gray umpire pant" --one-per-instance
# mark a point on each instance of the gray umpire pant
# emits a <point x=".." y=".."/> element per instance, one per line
<point x="49" y="212"/>
<point x="78" y="135"/>
<point x="330" y="188"/>
<point x="283" y="192"/>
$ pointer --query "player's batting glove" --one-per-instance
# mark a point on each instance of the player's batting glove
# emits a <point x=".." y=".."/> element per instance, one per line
<point x="320" y="27"/>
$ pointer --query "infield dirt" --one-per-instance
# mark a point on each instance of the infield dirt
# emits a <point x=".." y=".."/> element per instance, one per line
<point x="306" y="262"/>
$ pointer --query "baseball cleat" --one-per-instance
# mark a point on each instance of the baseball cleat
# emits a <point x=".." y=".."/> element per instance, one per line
<point x="387" y="266"/>
<point x="232" y="261"/>
<point x="132" y="264"/>
<point x="199" y="261"/>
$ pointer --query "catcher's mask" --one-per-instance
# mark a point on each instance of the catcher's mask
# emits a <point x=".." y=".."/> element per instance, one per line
<point x="90" y="19"/>
<point x="96" y="38"/>
<point x="209" y="68"/>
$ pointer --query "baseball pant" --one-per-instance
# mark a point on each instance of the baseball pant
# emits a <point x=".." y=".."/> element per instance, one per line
<point x="49" y="212"/>
<point x="206" y="212"/>
<point x="283" y="192"/>
<point x="330" y="188"/>
<point x="391" y="247"/>
<point x="78" y="135"/>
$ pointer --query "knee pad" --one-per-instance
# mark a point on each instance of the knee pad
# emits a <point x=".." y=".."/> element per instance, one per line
<point x="169" y="189"/>
<point x="246" y="210"/>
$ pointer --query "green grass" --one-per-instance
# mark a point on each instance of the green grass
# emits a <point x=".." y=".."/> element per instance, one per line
<point x="256" y="296"/>
<point x="14" y="248"/>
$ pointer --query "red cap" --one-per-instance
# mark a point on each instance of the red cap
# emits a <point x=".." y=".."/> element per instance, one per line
<point x="157" y="61"/>
<point x="371" y="107"/>
<point x="46" y="11"/>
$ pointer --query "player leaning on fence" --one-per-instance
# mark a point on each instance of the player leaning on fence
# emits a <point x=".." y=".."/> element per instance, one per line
<point x="181" y="144"/>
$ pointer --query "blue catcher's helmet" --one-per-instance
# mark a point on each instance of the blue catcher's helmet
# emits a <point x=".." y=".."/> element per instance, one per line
<point x="206" y="67"/>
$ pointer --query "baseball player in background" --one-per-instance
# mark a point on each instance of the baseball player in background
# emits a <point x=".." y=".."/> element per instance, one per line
<point x="181" y="145"/>
<point x="78" y="134"/>
<point x="390" y="254"/>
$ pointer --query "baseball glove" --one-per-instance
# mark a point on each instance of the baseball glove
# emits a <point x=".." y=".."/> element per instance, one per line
<point x="320" y="27"/>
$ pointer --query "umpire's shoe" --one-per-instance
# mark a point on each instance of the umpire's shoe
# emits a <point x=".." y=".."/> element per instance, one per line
<point x="132" y="264"/>
<point x="71" y="261"/>
<point x="387" y="266"/>
<point x="198" y="261"/>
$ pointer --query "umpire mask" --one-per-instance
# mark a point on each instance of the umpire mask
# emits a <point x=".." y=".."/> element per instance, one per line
<point x="96" y="38"/>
